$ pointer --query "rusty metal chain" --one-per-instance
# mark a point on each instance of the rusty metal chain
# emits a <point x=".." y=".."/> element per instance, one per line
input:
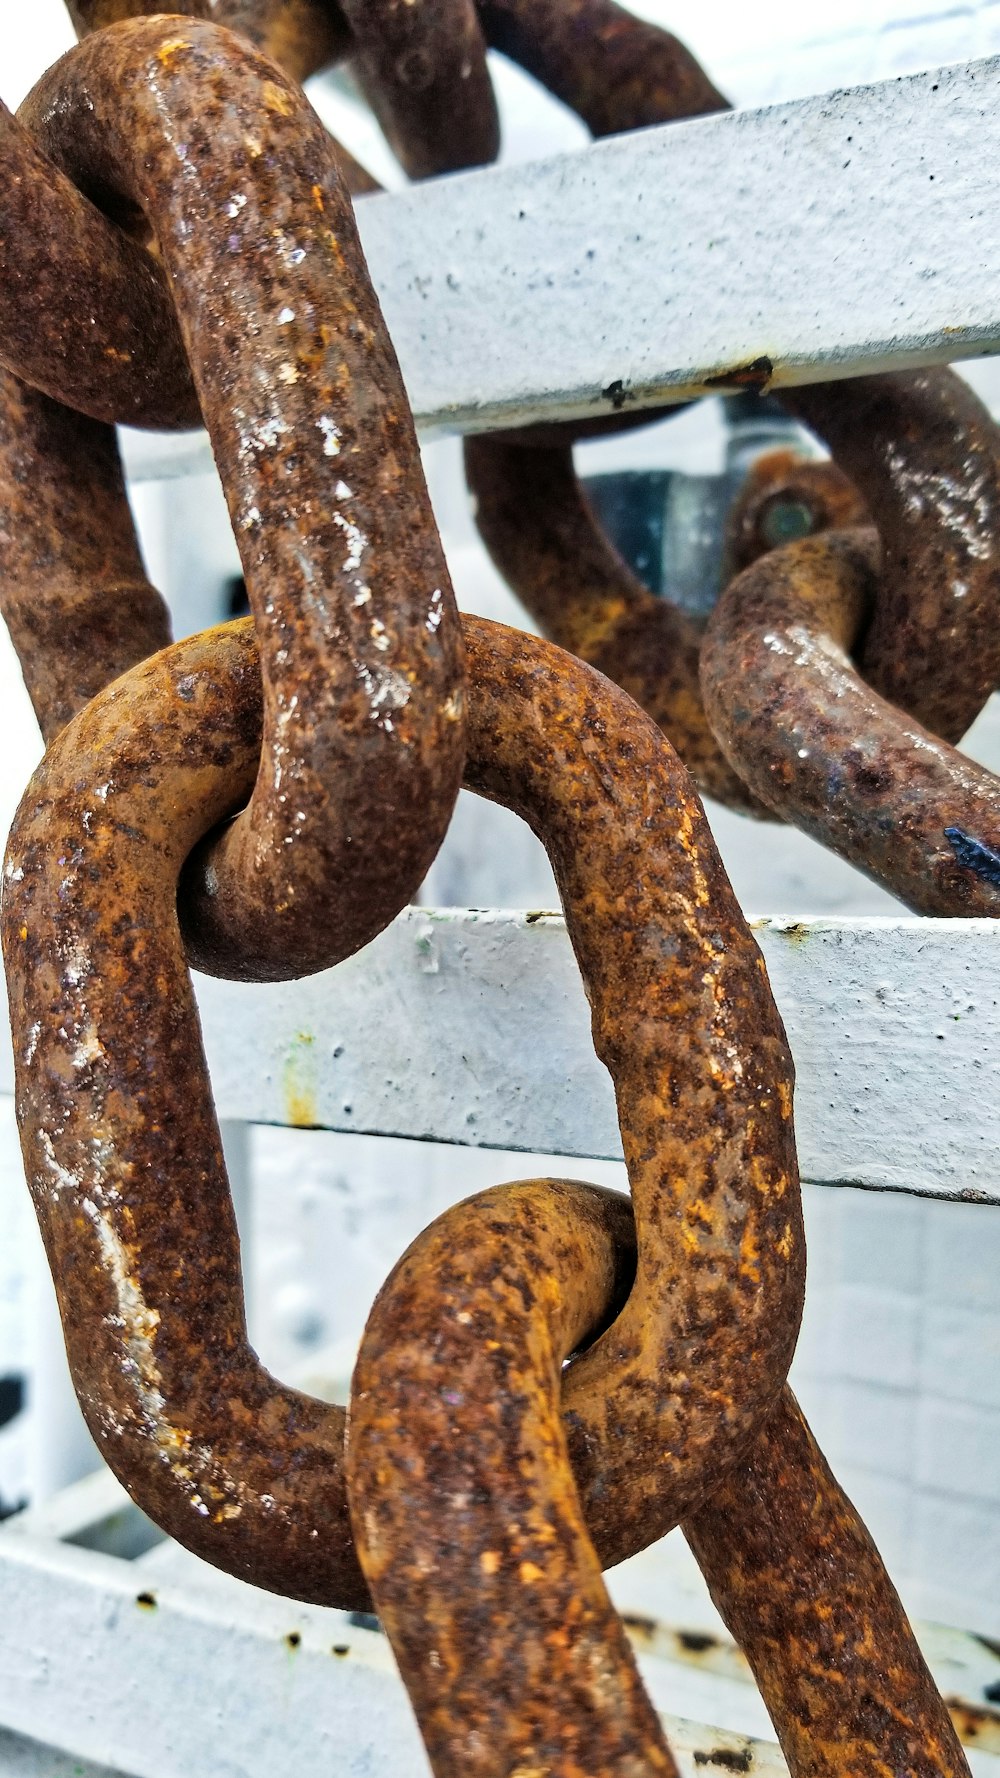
<point x="925" y="454"/>
<point x="532" y="514"/>
<point x="338" y="712"/>
<point x="824" y="662"/>
<point x="921" y="449"/>
<point x="124" y="1160"/>
<point x="73" y="592"/>
<point x="617" y="73"/>
<point x="103" y="826"/>
<point x="490" y="1300"/>
<point x="300" y="35"/>
<point x="811" y="736"/>
<point x="422" y="64"/>
<point x="299" y="386"/>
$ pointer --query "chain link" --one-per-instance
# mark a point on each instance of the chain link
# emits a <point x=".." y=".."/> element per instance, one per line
<point x="551" y="1379"/>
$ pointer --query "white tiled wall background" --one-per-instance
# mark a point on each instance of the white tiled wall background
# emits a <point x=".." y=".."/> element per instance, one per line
<point x="899" y="1368"/>
<point x="899" y="1365"/>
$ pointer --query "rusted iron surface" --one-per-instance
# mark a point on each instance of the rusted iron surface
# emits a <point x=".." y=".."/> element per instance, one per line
<point x="618" y="73"/>
<point x="302" y="36"/>
<point x="814" y="740"/>
<point x="84" y="312"/>
<point x="360" y="641"/>
<point x="784" y="497"/>
<point x="684" y="1020"/>
<point x="977" y="1725"/>
<point x="121" y="1147"/>
<point x="73" y="590"/>
<point x="507" y="1659"/>
<point x="925" y="453"/>
<point x="614" y="70"/>
<point x="350" y="678"/>
<point x="803" y="1589"/>
<point x="468" y="1523"/>
<point x="542" y="536"/>
<point x="119" y="1136"/>
<point x="921" y="449"/>
<point x="422" y="64"/>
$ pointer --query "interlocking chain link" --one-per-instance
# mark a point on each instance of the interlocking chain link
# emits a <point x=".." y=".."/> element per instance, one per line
<point x="300" y="389"/>
<point x="551" y="1378"/>
<point x="921" y="449"/>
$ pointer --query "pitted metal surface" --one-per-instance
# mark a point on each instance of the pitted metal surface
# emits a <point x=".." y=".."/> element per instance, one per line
<point x="617" y="73"/>
<point x="683" y="1019"/>
<point x="73" y="591"/>
<point x="786" y="497"/>
<point x="921" y="449"/>
<point x="814" y="740"/>
<point x="302" y="36"/>
<point x="106" y="1042"/>
<point x="925" y="454"/>
<point x="84" y="312"/>
<point x="119" y="1136"/>
<point x="361" y="650"/>
<point x="422" y="63"/>
<point x="827" y="666"/>
<point x="180" y="157"/>
<point x="508" y="1660"/>
<point x="532" y="515"/>
<point x="803" y="1589"/>
<point x="517" y="1660"/>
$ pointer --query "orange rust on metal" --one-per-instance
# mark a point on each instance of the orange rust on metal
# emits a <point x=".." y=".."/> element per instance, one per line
<point x="119" y="1134"/>
<point x="976" y="1725"/>
<point x="783" y="487"/>
<point x="533" y="516"/>
<point x="360" y="642"/>
<point x="684" y="1021"/>
<point x="815" y="741"/>
<point x="756" y="374"/>
<point x="653" y="650"/>
<point x="682" y="1369"/>
<point x="422" y="64"/>
<point x="923" y="451"/>
<point x="84" y="312"/>
<point x="803" y="1589"/>
<point x="454" y="1395"/>
<point x="121" y="1145"/>
<point x="515" y="1658"/>
<point x="73" y="590"/>
<point x="616" y="71"/>
<point x="925" y="454"/>
<point x="302" y="36"/>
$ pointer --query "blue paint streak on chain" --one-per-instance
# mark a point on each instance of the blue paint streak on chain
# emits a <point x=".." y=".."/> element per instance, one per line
<point x="974" y="855"/>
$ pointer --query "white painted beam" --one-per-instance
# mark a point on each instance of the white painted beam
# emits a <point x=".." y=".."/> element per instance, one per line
<point x="830" y="236"/>
<point x="472" y="1028"/>
<point x="164" y="1667"/>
